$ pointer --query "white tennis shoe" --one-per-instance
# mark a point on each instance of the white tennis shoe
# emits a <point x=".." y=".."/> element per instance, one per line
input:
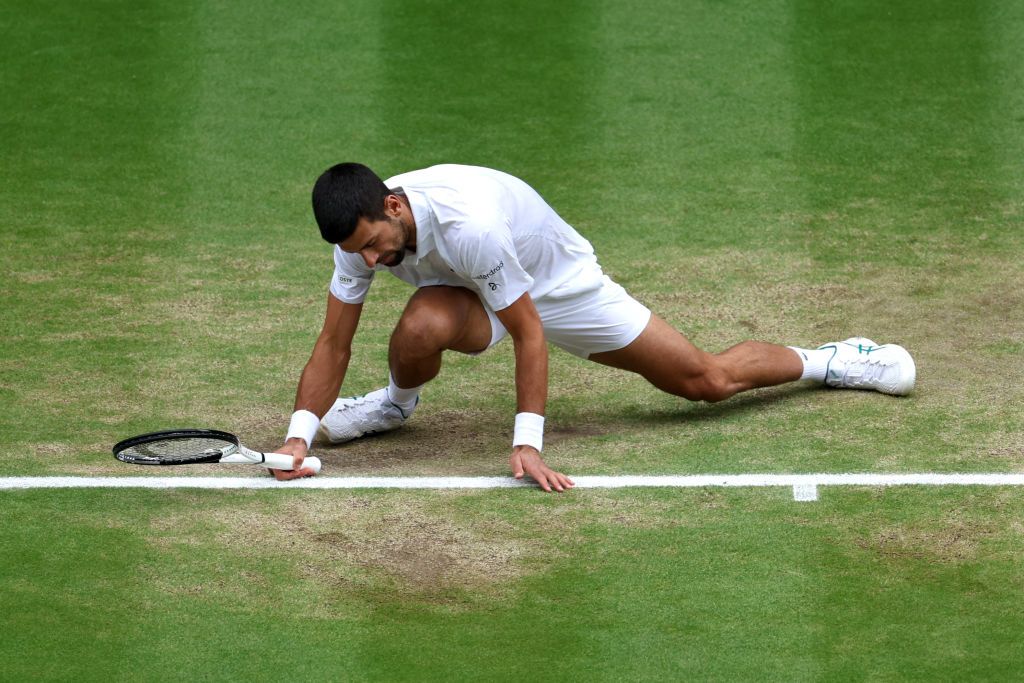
<point x="356" y="416"/>
<point x="859" y="363"/>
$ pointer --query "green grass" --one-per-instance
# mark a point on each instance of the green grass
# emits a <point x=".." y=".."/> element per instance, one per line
<point x="605" y="586"/>
<point x="790" y="171"/>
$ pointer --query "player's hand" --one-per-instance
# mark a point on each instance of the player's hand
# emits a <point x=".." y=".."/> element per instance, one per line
<point x="527" y="460"/>
<point x="296" y="448"/>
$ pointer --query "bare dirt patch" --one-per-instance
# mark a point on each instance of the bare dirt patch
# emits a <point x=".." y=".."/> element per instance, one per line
<point x="570" y="432"/>
<point x="434" y="441"/>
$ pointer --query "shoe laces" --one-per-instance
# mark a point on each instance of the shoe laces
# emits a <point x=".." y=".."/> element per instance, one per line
<point x="352" y="402"/>
<point x="865" y="370"/>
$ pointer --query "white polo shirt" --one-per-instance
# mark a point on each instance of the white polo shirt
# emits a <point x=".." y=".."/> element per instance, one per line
<point x="484" y="230"/>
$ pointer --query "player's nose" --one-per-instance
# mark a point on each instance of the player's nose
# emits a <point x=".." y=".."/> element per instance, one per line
<point x="370" y="258"/>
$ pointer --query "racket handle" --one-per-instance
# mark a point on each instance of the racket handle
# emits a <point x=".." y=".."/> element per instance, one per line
<point x="281" y="461"/>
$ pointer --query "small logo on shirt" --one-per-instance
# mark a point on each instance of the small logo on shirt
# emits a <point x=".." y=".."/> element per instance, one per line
<point x="492" y="285"/>
<point x="491" y="272"/>
<point x="344" y="279"/>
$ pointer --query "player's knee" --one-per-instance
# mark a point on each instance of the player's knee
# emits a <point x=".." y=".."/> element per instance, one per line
<point x="421" y="332"/>
<point x="711" y="385"/>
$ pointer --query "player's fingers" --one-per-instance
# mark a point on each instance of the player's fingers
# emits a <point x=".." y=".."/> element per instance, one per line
<point x="539" y="476"/>
<point x="557" y="480"/>
<point x="516" y="463"/>
<point x="565" y="481"/>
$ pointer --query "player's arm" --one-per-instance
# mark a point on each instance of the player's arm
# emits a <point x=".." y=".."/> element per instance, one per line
<point x="323" y="375"/>
<point x="523" y="324"/>
<point x="325" y="371"/>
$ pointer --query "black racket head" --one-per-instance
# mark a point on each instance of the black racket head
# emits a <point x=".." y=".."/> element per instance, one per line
<point x="175" y="447"/>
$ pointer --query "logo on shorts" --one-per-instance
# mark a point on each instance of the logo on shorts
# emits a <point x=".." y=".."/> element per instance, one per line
<point x="491" y="272"/>
<point x="344" y="279"/>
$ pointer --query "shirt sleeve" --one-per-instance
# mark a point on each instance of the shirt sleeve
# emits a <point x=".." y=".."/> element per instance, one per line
<point x="352" y="279"/>
<point x="486" y="255"/>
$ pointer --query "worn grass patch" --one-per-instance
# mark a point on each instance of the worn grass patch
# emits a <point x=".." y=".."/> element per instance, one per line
<point x="957" y="316"/>
<point x="415" y="549"/>
<point x="601" y="419"/>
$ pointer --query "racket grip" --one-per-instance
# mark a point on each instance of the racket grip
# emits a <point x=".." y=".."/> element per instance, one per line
<point x="281" y="461"/>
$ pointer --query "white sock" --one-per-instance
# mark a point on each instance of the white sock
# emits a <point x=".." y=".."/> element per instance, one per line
<point x="405" y="399"/>
<point x="815" y="362"/>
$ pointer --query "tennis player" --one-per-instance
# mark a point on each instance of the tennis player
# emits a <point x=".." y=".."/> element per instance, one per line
<point x="489" y="259"/>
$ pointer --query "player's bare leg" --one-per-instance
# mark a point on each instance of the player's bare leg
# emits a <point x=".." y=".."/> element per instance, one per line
<point x="669" y="361"/>
<point x="435" y="319"/>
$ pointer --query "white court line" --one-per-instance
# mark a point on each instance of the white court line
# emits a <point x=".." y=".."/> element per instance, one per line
<point x="804" y="485"/>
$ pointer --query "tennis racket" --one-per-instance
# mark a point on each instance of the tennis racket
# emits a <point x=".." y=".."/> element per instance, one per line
<point x="193" y="446"/>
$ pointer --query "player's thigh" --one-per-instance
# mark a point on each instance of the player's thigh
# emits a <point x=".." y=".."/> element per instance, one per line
<point x="660" y="354"/>
<point x="451" y="317"/>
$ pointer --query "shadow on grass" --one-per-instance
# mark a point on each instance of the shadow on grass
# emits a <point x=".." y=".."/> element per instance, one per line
<point x="699" y="411"/>
<point x="456" y="442"/>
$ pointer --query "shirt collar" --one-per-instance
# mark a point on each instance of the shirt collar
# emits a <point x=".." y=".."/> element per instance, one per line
<point x="426" y="225"/>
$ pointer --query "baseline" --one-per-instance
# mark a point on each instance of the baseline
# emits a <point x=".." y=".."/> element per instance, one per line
<point x="805" y="486"/>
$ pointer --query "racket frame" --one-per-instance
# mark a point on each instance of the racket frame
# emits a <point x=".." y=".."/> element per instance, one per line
<point x="232" y="453"/>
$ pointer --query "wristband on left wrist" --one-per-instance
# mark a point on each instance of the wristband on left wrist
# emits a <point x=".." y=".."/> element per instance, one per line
<point x="529" y="431"/>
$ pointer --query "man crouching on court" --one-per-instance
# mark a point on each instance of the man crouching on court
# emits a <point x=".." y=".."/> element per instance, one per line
<point x="490" y="258"/>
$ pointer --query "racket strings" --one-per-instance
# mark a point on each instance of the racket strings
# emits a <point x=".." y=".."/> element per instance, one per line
<point x="176" y="449"/>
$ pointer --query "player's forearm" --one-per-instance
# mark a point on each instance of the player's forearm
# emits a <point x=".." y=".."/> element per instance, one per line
<point x="531" y="373"/>
<point x="322" y="377"/>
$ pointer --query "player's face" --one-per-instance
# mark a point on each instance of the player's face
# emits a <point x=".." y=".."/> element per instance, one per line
<point x="379" y="242"/>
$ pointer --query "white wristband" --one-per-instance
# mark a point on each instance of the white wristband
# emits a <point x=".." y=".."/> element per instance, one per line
<point x="303" y="425"/>
<point x="529" y="431"/>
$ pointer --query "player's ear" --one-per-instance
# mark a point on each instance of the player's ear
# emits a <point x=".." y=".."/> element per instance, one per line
<point x="392" y="205"/>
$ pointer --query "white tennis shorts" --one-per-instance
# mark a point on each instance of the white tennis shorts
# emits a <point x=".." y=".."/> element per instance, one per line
<point x="602" y="319"/>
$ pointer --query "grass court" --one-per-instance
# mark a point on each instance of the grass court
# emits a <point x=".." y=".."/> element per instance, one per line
<point x="790" y="171"/>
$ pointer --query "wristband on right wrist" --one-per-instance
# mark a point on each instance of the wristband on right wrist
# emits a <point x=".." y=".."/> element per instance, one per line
<point x="303" y="425"/>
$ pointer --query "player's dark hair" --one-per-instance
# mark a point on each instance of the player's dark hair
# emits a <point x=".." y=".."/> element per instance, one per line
<point x="342" y="195"/>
